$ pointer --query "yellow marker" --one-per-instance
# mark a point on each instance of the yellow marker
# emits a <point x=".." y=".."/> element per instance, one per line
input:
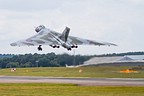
<point x="80" y="70"/>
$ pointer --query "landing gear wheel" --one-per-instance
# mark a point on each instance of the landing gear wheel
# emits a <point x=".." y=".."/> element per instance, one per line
<point x="69" y="49"/>
<point x="39" y="48"/>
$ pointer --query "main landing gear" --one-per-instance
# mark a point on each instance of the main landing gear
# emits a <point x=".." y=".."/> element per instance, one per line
<point x="39" y="48"/>
<point x="69" y="49"/>
<point x="55" y="46"/>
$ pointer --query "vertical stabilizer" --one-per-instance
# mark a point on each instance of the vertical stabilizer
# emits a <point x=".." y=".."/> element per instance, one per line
<point x="65" y="34"/>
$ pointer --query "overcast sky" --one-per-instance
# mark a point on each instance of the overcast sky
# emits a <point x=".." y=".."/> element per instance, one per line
<point x="116" y="21"/>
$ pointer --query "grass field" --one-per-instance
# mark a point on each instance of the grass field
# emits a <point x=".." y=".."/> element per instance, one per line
<point x="45" y="89"/>
<point x="42" y="89"/>
<point x="92" y="71"/>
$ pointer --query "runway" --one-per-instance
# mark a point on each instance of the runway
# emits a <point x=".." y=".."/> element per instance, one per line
<point x="78" y="81"/>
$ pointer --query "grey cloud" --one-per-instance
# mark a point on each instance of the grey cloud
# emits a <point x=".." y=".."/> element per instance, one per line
<point x="117" y="21"/>
<point x="29" y="5"/>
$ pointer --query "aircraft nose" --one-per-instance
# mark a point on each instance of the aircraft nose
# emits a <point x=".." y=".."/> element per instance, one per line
<point x="13" y="44"/>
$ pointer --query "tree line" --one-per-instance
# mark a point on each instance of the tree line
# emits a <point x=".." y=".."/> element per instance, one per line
<point x="42" y="60"/>
<point x="50" y="59"/>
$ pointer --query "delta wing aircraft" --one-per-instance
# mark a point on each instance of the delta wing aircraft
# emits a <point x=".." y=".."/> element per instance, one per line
<point x="54" y="39"/>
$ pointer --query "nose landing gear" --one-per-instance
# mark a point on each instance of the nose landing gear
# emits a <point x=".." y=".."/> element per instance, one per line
<point x="39" y="48"/>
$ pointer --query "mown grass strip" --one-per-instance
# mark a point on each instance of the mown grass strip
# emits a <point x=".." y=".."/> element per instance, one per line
<point x="44" y="89"/>
<point x="91" y="71"/>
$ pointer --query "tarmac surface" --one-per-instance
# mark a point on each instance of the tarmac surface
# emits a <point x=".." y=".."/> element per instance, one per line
<point x="78" y="81"/>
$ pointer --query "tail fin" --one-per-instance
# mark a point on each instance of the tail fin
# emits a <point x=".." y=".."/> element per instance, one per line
<point x="65" y="34"/>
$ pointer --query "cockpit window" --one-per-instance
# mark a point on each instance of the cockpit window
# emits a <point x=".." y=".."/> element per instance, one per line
<point x="39" y="28"/>
<point x="42" y="26"/>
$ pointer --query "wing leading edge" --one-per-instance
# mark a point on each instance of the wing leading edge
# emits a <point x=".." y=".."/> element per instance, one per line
<point x="80" y="41"/>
